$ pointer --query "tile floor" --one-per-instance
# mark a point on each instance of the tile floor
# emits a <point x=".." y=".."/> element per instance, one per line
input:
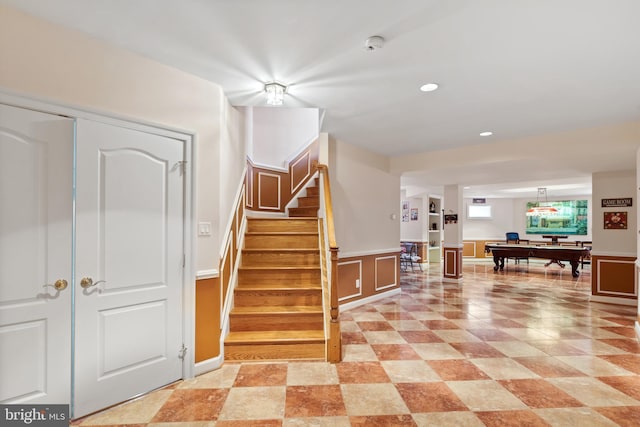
<point x="520" y="348"/>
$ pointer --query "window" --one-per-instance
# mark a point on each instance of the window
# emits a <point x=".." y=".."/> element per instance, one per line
<point x="478" y="211"/>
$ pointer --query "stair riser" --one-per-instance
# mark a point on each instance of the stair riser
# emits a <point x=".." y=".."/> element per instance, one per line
<point x="303" y="212"/>
<point x="292" y="225"/>
<point x="313" y="191"/>
<point x="304" y="202"/>
<point x="313" y="351"/>
<point x="278" y="277"/>
<point x="273" y="259"/>
<point x="277" y="298"/>
<point x="281" y="241"/>
<point x="271" y="321"/>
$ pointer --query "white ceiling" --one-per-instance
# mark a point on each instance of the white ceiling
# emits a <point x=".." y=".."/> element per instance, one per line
<point x="518" y="68"/>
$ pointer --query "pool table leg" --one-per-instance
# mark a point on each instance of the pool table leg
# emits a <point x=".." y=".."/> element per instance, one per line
<point x="574" y="268"/>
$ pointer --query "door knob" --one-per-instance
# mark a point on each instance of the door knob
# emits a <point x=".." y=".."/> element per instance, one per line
<point x="60" y="284"/>
<point x="87" y="282"/>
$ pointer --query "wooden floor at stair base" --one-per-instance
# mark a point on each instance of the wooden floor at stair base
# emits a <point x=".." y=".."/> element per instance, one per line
<point x="275" y="345"/>
<point x="275" y="320"/>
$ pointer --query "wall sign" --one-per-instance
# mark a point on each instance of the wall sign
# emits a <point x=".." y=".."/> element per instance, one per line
<point x="615" y="203"/>
<point x="479" y="201"/>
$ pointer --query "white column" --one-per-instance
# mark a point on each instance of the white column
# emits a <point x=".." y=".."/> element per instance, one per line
<point x="453" y="211"/>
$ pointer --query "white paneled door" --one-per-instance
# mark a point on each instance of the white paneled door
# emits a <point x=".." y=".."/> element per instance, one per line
<point x="91" y="285"/>
<point x="36" y="171"/>
<point x="129" y="264"/>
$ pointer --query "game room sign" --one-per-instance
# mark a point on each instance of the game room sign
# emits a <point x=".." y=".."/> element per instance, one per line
<point x="616" y="203"/>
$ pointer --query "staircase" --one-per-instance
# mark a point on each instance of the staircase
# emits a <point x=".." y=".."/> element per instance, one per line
<point x="307" y="205"/>
<point x="278" y="312"/>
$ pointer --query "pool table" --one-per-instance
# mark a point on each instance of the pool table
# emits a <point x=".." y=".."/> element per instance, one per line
<point x="571" y="254"/>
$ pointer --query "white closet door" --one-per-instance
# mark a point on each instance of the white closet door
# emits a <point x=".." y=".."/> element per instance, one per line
<point x="129" y="265"/>
<point x="36" y="173"/>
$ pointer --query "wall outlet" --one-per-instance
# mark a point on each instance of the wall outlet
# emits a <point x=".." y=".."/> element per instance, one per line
<point x="357" y="283"/>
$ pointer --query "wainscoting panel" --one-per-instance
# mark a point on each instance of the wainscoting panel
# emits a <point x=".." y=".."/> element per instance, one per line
<point x="452" y="263"/>
<point x="469" y="249"/>
<point x="378" y="273"/>
<point x="386" y="273"/>
<point x="248" y="189"/>
<point x="208" y="301"/>
<point x="350" y="279"/>
<point x="268" y="191"/>
<point x="275" y="187"/>
<point x="614" y="276"/>
<point x="300" y="171"/>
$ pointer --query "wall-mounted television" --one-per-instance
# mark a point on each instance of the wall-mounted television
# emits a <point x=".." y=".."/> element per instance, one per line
<point x="559" y="217"/>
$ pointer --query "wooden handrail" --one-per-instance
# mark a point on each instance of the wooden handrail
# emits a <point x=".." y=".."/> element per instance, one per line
<point x="334" y="346"/>
<point x="331" y="231"/>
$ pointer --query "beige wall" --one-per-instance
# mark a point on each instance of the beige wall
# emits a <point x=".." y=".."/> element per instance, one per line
<point x="233" y="160"/>
<point x="610" y="185"/>
<point x="50" y="63"/>
<point x="365" y="195"/>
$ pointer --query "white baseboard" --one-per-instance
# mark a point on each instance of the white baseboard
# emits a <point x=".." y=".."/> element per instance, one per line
<point x="614" y="300"/>
<point x="208" y="365"/>
<point x="367" y="300"/>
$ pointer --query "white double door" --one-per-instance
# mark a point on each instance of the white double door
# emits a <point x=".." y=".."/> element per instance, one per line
<point x="91" y="260"/>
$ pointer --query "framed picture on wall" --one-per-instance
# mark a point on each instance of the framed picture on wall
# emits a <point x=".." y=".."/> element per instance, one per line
<point x="414" y="214"/>
<point x="405" y="211"/>
<point x="615" y="220"/>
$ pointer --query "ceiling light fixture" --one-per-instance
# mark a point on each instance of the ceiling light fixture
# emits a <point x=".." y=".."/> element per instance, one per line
<point x="275" y="93"/>
<point x="429" y="87"/>
<point x="487" y="133"/>
<point x="542" y="208"/>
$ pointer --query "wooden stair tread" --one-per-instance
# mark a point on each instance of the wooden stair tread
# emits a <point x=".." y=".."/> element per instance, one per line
<point x="281" y="233"/>
<point x="274" y="336"/>
<point x="281" y="250"/>
<point x="294" y="309"/>
<point x="267" y="288"/>
<point x="277" y="267"/>
<point x="281" y="218"/>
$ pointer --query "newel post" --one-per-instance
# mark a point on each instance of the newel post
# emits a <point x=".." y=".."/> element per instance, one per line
<point x="335" y="346"/>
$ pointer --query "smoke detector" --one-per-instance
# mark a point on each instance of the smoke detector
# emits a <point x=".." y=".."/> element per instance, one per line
<point x="374" y="43"/>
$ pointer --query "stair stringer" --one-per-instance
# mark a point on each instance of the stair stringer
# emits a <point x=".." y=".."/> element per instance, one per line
<point x="227" y="304"/>
<point x="293" y="203"/>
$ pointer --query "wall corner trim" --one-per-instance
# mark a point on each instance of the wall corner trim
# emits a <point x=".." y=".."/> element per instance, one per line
<point x="208" y="365"/>
<point x="207" y="274"/>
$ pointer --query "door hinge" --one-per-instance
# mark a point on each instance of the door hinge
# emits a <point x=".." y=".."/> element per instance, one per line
<point x="182" y="352"/>
<point x="182" y="165"/>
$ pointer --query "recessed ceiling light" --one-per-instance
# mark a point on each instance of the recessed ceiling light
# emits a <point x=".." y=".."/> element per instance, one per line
<point x="487" y="133"/>
<point x="429" y="87"/>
